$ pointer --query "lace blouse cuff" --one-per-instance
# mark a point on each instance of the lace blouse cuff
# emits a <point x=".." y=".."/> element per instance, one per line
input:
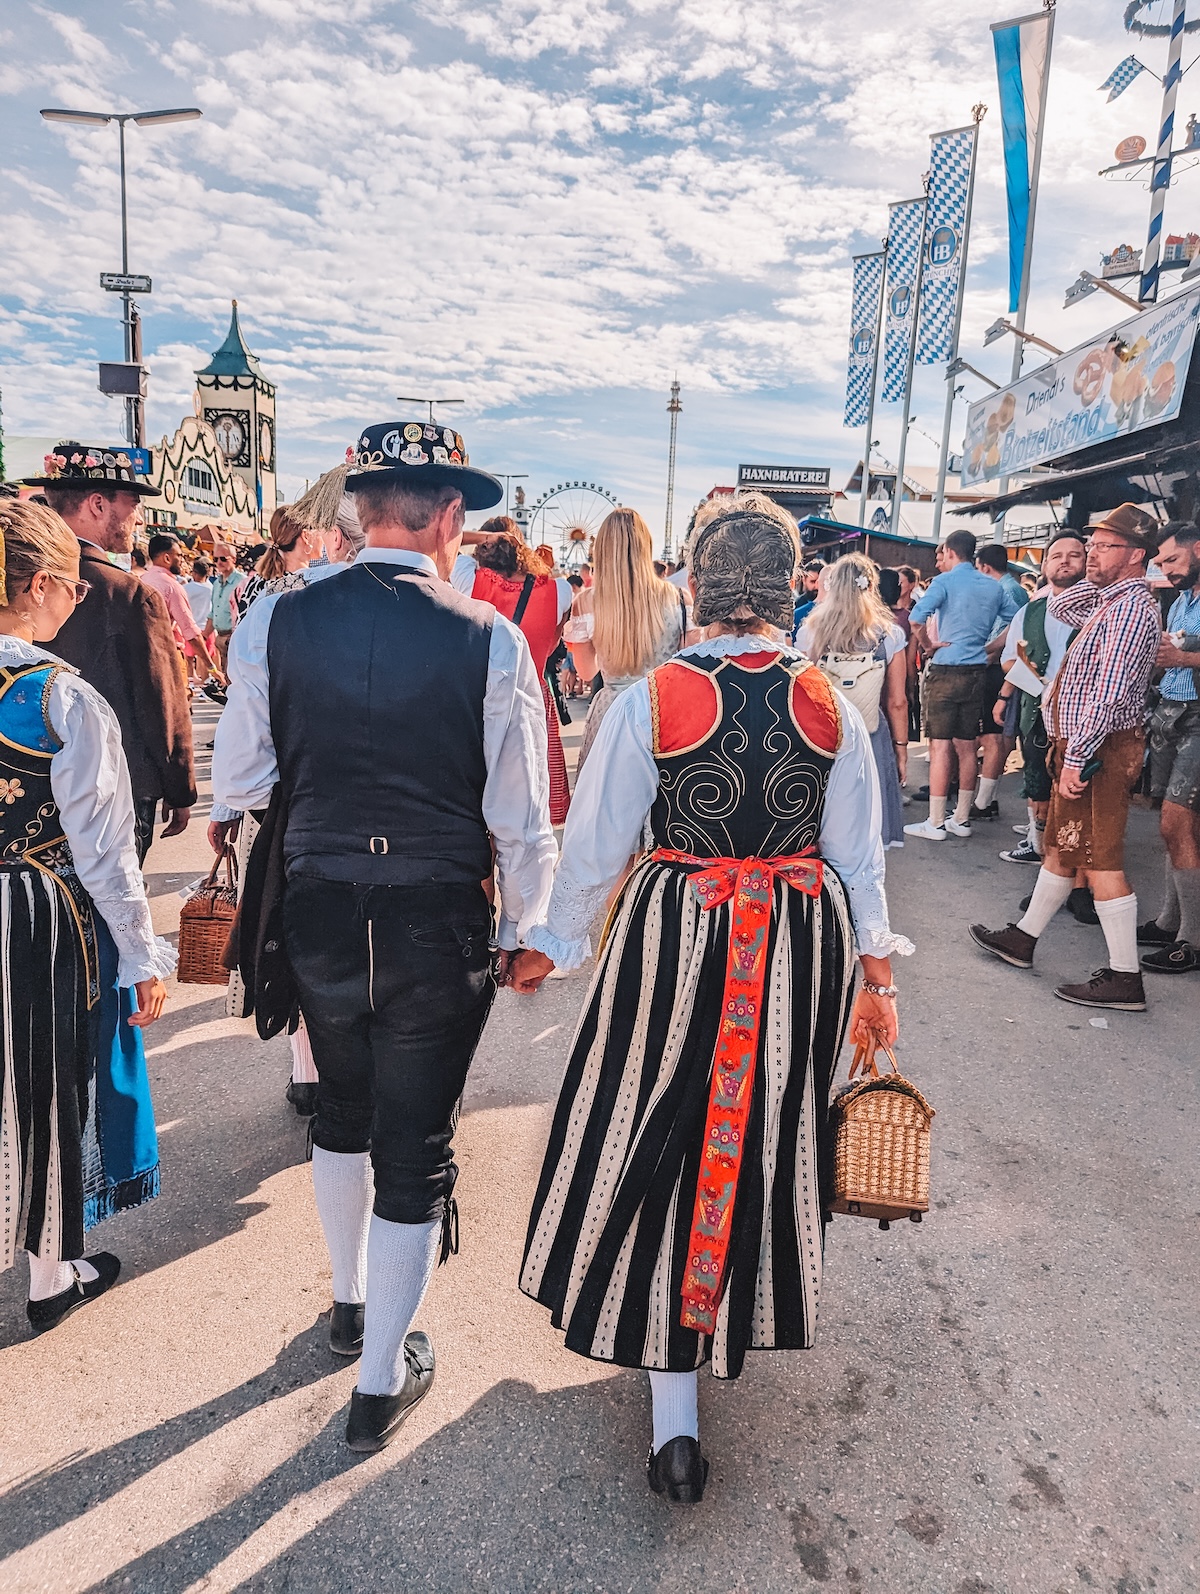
<point x="876" y="943"/>
<point x="141" y="955"/>
<point x="563" y="954"/>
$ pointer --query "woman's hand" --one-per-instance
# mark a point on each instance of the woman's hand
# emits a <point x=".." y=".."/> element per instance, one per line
<point x="527" y="970"/>
<point x="223" y="833"/>
<point x="151" y="999"/>
<point x="874" y="1015"/>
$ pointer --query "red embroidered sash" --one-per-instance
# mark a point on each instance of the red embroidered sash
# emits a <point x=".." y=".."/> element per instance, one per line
<point x="749" y="882"/>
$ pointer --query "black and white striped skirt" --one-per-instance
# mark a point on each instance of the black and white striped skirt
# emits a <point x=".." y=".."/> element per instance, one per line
<point x="608" y="1235"/>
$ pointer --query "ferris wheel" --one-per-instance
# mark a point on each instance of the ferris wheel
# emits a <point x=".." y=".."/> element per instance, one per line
<point x="568" y="516"/>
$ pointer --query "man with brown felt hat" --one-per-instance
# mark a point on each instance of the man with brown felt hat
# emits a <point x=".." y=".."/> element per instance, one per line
<point x="120" y="638"/>
<point x="1095" y="715"/>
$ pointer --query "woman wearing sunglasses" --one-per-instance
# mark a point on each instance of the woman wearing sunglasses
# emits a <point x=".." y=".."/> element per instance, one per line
<point x="76" y="1126"/>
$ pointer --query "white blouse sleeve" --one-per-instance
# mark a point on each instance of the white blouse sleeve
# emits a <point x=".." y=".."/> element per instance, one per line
<point x="90" y="782"/>
<point x="244" y="767"/>
<point x="604" y="828"/>
<point x="852" y="840"/>
<point x="566" y="596"/>
<point x="579" y="628"/>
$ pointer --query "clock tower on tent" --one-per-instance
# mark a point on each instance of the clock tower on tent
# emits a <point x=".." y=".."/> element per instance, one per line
<point x="238" y="403"/>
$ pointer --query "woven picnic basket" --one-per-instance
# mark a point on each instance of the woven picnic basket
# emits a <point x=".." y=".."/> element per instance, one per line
<point x="204" y="924"/>
<point x="881" y="1142"/>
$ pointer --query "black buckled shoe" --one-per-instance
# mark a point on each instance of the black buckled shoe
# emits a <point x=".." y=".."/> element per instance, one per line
<point x="302" y="1097"/>
<point x="375" y="1420"/>
<point x="1149" y="934"/>
<point x="346" y="1328"/>
<point x="678" y="1470"/>
<point x="55" y="1309"/>
<point x="1179" y="958"/>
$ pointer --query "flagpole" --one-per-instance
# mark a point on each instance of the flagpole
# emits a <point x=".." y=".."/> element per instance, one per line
<point x="978" y="112"/>
<point x="1148" y="293"/>
<point x="908" y="372"/>
<point x="865" y="486"/>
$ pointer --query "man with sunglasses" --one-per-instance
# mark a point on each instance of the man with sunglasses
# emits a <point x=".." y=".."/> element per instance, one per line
<point x="223" y="613"/>
<point x="1095" y="717"/>
<point x="120" y="638"/>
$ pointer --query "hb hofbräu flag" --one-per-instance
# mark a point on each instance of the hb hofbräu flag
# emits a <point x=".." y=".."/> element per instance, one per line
<point x="1121" y="76"/>
<point x="864" y="329"/>
<point x="945" y="229"/>
<point x="905" y="231"/>
<point x="1022" y="59"/>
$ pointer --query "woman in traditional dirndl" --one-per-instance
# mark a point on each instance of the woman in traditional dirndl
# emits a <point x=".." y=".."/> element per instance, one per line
<point x="77" y="1138"/>
<point x="679" y="1215"/>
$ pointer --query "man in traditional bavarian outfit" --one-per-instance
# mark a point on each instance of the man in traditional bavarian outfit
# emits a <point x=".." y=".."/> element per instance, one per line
<point x="120" y="638"/>
<point x="405" y="726"/>
<point x="720" y="997"/>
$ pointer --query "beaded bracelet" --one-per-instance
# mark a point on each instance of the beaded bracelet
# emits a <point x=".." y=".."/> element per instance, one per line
<point x="880" y="990"/>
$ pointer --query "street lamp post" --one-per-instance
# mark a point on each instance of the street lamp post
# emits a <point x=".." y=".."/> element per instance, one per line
<point x="134" y="415"/>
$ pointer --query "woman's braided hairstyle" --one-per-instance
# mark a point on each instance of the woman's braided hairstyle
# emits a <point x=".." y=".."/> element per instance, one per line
<point x="742" y="558"/>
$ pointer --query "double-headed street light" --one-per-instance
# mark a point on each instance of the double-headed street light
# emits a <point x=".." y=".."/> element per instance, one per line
<point x="134" y="420"/>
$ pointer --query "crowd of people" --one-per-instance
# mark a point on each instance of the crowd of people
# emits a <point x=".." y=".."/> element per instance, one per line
<point x="390" y="735"/>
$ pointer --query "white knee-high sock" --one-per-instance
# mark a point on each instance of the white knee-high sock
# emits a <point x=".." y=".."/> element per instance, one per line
<point x="1169" y="913"/>
<point x="1037" y="833"/>
<point x="304" y="1068"/>
<point x="344" y="1187"/>
<point x="937" y="811"/>
<point x="52" y="1278"/>
<point x="985" y="791"/>
<point x="675" y="1407"/>
<point x="962" y="808"/>
<point x="400" y="1261"/>
<point x="1118" y="920"/>
<point x="1049" y="894"/>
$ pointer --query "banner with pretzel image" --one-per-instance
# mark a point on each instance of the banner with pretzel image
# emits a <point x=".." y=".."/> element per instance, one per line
<point x="1118" y="382"/>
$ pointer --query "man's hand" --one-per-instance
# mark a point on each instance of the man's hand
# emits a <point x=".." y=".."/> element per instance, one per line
<point x="1169" y="657"/>
<point x="175" y="819"/>
<point x="902" y="762"/>
<point x="223" y="833"/>
<point x="527" y="970"/>
<point x="1071" y="784"/>
<point x="999" y="709"/>
<point x="151" y="999"/>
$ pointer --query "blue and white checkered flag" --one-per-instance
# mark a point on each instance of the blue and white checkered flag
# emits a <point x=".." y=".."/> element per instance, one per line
<point x="864" y="329"/>
<point x="1119" y="79"/>
<point x="905" y="231"/>
<point x="945" y="229"/>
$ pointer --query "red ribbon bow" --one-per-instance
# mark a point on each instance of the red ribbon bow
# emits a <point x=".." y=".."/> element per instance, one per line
<point x="749" y="883"/>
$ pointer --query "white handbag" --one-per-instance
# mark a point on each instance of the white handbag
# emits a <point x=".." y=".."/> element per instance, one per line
<point x="859" y="678"/>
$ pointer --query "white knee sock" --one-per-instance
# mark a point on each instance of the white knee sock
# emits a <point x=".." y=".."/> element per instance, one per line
<point x="1037" y="832"/>
<point x="1118" y="920"/>
<point x="962" y="808"/>
<point x="52" y="1278"/>
<point x="985" y="791"/>
<point x="675" y="1409"/>
<point x="1168" y="914"/>
<point x="345" y="1190"/>
<point x="304" y="1069"/>
<point x="937" y="810"/>
<point x="400" y="1261"/>
<point x="1049" y="894"/>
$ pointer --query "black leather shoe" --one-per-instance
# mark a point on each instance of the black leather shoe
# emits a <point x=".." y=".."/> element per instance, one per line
<point x="375" y="1420"/>
<point x="1149" y="934"/>
<point x="54" y="1309"/>
<point x="992" y="811"/>
<point x="302" y="1097"/>
<point x="346" y="1328"/>
<point x="678" y="1470"/>
<point x="1081" y="905"/>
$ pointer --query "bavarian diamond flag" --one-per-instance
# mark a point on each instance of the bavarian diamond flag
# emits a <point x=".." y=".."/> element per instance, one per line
<point x="864" y="329"/>
<point x="949" y="205"/>
<point x="905" y="231"/>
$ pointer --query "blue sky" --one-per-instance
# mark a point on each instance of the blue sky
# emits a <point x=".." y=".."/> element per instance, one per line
<point x="546" y="207"/>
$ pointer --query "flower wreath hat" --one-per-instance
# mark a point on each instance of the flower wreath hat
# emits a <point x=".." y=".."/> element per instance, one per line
<point x="81" y="465"/>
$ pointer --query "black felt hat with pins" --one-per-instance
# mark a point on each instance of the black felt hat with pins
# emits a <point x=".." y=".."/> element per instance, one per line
<point x="419" y="451"/>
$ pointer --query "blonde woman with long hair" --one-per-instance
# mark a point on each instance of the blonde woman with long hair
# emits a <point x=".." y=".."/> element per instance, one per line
<point x="628" y="621"/>
<point x="852" y="636"/>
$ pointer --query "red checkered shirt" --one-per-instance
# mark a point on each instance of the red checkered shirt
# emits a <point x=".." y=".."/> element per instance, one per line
<point x="1102" y="684"/>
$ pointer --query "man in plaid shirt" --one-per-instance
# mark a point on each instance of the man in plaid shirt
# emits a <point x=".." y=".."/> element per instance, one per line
<point x="1095" y="715"/>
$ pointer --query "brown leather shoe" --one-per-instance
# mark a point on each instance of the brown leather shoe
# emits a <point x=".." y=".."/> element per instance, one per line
<point x="1013" y="945"/>
<point x="1108" y="988"/>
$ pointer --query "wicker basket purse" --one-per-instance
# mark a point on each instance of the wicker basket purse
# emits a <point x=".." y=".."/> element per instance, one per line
<point x="204" y="924"/>
<point x="881" y="1142"/>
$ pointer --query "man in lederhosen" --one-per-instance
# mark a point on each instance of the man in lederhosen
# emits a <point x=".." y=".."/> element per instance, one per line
<point x="405" y="725"/>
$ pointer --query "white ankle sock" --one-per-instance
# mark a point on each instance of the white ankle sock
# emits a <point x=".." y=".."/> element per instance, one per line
<point x="1118" y="920"/>
<point x="937" y="810"/>
<point x="400" y="1262"/>
<point x="1050" y="892"/>
<point x="675" y="1408"/>
<point x="962" y="808"/>
<point x="304" y="1068"/>
<point x="52" y="1278"/>
<point x="345" y="1190"/>
<point x="985" y="791"/>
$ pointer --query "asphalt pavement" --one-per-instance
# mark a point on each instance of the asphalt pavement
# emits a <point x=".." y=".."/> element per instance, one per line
<point x="1002" y="1398"/>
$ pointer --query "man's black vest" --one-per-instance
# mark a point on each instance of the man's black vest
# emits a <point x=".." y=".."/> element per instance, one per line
<point x="377" y="682"/>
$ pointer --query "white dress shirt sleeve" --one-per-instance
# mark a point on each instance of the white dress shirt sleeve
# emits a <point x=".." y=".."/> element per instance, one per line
<point x="566" y="596"/>
<point x="1014" y="634"/>
<point x="516" y="793"/>
<point x="462" y="576"/>
<point x="90" y="782"/>
<point x="244" y="767"/>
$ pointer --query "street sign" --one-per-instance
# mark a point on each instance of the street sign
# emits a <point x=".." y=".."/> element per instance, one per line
<point x="124" y="282"/>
